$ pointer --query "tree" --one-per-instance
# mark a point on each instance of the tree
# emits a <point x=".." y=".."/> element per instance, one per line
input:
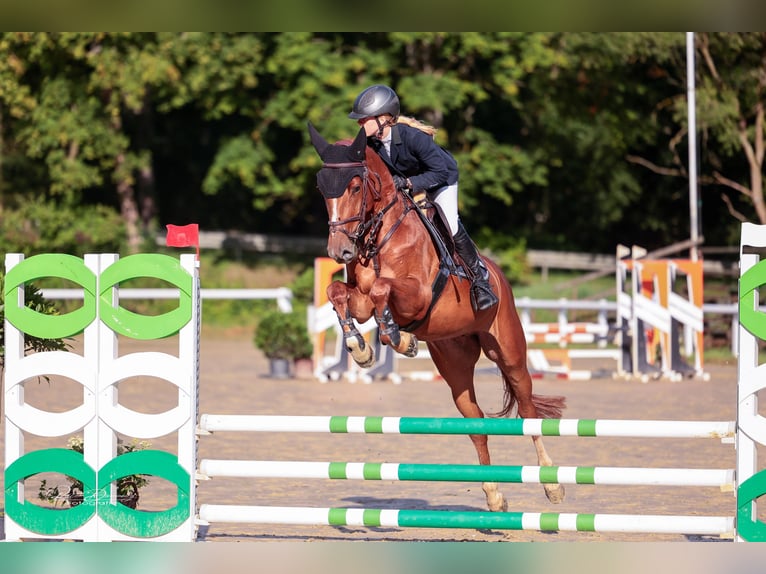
<point x="730" y="82"/>
<point x="553" y="133"/>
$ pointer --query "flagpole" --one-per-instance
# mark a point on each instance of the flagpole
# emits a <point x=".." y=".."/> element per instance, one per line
<point x="692" y="112"/>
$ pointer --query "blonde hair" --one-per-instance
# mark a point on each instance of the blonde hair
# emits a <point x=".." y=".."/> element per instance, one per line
<point x="414" y="123"/>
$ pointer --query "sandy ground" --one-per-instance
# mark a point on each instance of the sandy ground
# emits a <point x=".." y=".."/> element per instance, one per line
<point x="234" y="380"/>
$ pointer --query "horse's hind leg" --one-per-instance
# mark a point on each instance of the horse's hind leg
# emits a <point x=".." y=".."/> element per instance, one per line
<point x="455" y="359"/>
<point x="535" y="406"/>
<point x="518" y="390"/>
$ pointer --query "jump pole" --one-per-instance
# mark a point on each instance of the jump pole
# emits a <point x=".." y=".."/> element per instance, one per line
<point x="545" y="521"/>
<point x="723" y="526"/>
<point x="720" y="478"/>
<point x="488" y="426"/>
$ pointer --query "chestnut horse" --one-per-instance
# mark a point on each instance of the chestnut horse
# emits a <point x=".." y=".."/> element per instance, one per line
<point x="391" y="266"/>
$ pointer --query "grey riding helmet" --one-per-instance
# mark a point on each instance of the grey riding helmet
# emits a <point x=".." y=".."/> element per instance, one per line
<point x="375" y="101"/>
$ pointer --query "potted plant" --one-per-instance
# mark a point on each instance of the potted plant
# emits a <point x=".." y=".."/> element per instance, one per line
<point x="283" y="338"/>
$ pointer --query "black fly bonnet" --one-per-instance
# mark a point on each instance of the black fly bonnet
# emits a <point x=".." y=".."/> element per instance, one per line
<point x="341" y="163"/>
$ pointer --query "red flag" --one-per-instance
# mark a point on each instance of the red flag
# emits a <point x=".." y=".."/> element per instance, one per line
<point x="183" y="236"/>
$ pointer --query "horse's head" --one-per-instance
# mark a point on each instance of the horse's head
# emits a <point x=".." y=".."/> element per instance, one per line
<point x="349" y="192"/>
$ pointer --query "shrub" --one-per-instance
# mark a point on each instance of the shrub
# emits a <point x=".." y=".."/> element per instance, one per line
<point x="283" y="335"/>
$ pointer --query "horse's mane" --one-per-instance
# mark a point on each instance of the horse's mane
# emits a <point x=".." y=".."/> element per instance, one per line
<point x="375" y="162"/>
<point x="370" y="155"/>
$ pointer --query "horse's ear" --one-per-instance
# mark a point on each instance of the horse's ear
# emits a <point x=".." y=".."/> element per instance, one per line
<point x="359" y="145"/>
<point x="320" y="144"/>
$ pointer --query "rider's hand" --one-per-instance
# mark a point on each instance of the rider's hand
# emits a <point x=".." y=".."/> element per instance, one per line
<point x="402" y="183"/>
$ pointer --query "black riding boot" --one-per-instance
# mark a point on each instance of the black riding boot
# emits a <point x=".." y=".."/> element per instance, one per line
<point x="482" y="297"/>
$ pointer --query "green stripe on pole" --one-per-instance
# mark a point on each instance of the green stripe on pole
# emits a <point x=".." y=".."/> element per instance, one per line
<point x="371" y="471"/>
<point x="549" y="521"/>
<point x="336" y="517"/>
<point x="549" y="474"/>
<point x="586" y="427"/>
<point x="337" y="470"/>
<point x="586" y="522"/>
<point x="373" y="425"/>
<point x="585" y="475"/>
<point x="371" y="517"/>
<point x="474" y="520"/>
<point x="550" y="427"/>
<point x="424" y="425"/>
<point x="339" y="424"/>
<point x="459" y="473"/>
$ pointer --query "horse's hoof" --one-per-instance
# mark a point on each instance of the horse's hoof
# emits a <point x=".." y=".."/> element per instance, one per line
<point x="412" y="348"/>
<point x="555" y="493"/>
<point x="363" y="356"/>
<point x="500" y="505"/>
<point x="409" y="346"/>
<point x="496" y="502"/>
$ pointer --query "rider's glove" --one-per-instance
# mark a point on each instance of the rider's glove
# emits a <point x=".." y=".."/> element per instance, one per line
<point x="402" y="183"/>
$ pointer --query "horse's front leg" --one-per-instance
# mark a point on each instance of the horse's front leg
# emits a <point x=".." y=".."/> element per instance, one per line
<point x="389" y="332"/>
<point x="339" y="294"/>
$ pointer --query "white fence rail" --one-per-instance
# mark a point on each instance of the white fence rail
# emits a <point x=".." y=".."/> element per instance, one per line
<point x="282" y="295"/>
<point x="606" y="310"/>
<point x="268" y="243"/>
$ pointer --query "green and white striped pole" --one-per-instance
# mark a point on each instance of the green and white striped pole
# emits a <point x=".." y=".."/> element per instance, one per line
<point x="545" y="521"/>
<point x="486" y="426"/>
<point x="721" y="478"/>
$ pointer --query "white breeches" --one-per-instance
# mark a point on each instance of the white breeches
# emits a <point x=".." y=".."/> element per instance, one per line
<point x="445" y="199"/>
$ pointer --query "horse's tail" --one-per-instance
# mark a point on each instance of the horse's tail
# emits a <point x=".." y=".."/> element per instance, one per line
<point x="547" y="406"/>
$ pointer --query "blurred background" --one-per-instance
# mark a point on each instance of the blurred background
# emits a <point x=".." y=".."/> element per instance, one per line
<point x="566" y="141"/>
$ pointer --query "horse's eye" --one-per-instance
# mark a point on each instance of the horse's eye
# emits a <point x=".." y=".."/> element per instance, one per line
<point x="355" y="188"/>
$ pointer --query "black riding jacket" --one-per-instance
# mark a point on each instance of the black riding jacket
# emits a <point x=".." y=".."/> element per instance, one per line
<point x="414" y="154"/>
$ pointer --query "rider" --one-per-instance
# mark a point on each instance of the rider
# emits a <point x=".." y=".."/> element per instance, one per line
<point x="418" y="163"/>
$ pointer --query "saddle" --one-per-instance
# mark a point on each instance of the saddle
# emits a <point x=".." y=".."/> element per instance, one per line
<point x="445" y="249"/>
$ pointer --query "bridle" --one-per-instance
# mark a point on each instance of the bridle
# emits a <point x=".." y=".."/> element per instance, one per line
<point x="369" y="247"/>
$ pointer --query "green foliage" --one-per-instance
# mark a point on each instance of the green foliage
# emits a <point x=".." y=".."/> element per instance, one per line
<point x="509" y="253"/>
<point x="35" y="301"/>
<point x="39" y="226"/>
<point x="218" y="270"/>
<point x="303" y="288"/>
<point x="283" y="335"/>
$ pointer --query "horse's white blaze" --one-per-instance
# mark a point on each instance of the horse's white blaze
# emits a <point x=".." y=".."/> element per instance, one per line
<point x="332" y="206"/>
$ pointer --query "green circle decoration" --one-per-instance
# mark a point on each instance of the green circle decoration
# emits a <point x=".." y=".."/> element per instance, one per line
<point x="138" y="326"/>
<point x="50" y="326"/>
<point x="748" y="527"/>
<point x="137" y="523"/>
<point x="749" y="315"/>
<point x="50" y="521"/>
